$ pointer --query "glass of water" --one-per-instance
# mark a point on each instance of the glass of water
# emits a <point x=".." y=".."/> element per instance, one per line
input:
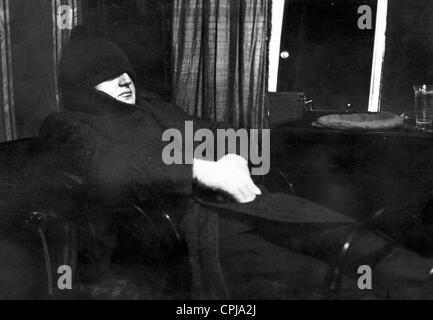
<point x="424" y="107"/>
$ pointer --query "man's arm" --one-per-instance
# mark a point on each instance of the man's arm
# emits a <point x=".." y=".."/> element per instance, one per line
<point x="229" y="174"/>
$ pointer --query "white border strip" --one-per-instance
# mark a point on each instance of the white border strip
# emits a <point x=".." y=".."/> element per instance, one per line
<point x="60" y="37"/>
<point x="6" y="67"/>
<point x="274" y="44"/>
<point x="378" y="56"/>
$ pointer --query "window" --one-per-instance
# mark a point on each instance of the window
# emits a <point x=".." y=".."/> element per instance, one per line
<point x="328" y="57"/>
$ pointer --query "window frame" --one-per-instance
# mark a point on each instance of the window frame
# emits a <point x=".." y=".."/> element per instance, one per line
<point x="378" y="51"/>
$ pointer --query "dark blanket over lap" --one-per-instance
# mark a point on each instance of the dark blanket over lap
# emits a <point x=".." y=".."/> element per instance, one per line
<point x="283" y="208"/>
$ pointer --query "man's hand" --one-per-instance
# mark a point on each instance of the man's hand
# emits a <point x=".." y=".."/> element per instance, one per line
<point x="229" y="174"/>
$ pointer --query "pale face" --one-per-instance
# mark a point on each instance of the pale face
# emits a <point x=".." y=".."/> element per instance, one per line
<point x="121" y="88"/>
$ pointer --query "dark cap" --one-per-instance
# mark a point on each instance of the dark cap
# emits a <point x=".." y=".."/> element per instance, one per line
<point x="87" y="61"/>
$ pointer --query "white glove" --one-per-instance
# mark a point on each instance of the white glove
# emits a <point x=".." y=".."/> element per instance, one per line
<point x="229" y="174"/>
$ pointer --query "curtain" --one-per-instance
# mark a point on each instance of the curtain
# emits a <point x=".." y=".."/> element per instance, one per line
<point x="32" y="35"/>
<point x="219" y="59"/>
<point x="141" y="28"/>
<point x="65" y="14"/>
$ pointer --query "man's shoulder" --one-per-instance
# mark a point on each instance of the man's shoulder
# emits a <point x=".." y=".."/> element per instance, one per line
<point x="153" y="101"/>
<point x="63" y="119"/>
<point x="66" y="124"/>
<point x="167" y="113"/>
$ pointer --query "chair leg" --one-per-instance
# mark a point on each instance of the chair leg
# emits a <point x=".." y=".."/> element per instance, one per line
<point x="48" y="224"/>
<point x="358" y="231"/>
<point x="337" y="272"/>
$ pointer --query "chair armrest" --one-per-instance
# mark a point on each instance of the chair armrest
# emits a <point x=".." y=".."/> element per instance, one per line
<point x="276" y="181"/>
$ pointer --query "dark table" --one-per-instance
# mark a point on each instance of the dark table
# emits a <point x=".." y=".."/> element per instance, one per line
<point x="359" y="173"/>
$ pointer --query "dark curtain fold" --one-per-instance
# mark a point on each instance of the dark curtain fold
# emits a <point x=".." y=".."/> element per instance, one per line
<point x="61" y="35"/>
<point x="220" y="60"/>
<point x="31" y="39"/>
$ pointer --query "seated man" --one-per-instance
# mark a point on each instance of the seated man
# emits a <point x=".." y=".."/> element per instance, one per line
<point x="260" y="246"/>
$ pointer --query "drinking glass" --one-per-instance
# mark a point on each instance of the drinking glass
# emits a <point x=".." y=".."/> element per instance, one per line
<point x="424" y="107"/>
